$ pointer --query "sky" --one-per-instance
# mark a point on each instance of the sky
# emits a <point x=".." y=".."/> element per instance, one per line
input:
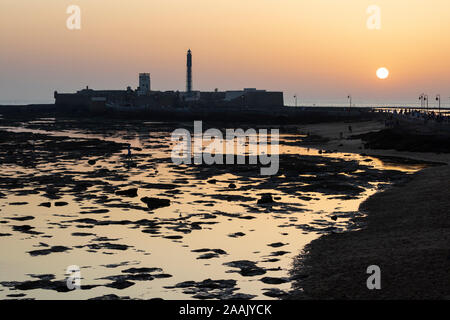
<point x="320" y="50"/>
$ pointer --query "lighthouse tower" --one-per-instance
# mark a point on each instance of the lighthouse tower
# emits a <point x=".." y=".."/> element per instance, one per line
<point x="144" y="84"/>
<point x="189" y="72"/>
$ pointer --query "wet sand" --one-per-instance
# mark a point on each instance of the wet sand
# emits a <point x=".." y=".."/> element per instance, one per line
<point x="405" y="232"/>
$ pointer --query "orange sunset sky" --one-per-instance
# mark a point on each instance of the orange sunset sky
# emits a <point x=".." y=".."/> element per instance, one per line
<point x="320" y="49"/>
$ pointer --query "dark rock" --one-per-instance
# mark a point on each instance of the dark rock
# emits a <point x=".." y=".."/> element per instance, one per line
<point x="45" y="284"/>
<point x="60" y="203"/>
<point x="97" y="211"/>
<point x="25" y="229"/>
<point x="266" y="199"/>
<point x="107" y="245"/>
<point x="239" y="296"/>
<point x="275" y="293"/>
<point x="247" y="268"/>
<point x="128" y="277"/>
<point x="92" y="162"/>
<point x="184" y="284"/>
<point x="209" y="255"/>
<point x="110" y="297"/>
<point x="271" y="280"/>
<point x="58" y="286"/>
<point x="82" y="234"/>
<point x="16" y="295"/>
<point x="26" y="218"/>
<point x="276" y="244"/>
<point x="163" y="186"/>
<point x="208" y="283"/>
<point x="216" y="284"/>
<point x="81" y="186"/>
<point x="42" y="244"/>
<point x="232" y="197"/>
<point x="142" y="270"/>
<point x="202" y="295"/>
<point x="103" y="239"/>
<point x="44" y="252"/>
<point x="128" y="193"/>
<point x="208" y="289"/>
<point x="155" y="203"/>
<point x="236" y="235"/>
<point x="279" y="253"/>
<point x="17" y="203"/>
<point x="140" y="277"/>
<point x="43" y="276"/>
<point x="45" y="204"/>
<point x="217" y="251"/>
<point x="120" y="284"/>
<point x="196" y="226"/>
<point x="162" y="275"/>
<point x="173" y="237"/>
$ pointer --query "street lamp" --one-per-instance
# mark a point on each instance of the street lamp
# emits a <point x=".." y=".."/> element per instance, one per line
<point x="349" y="97"/>
<point x="438" y="98"/>
<point x="295" y="97"/>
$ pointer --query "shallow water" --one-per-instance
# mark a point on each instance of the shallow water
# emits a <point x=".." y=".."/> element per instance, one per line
<point x="230" y="220"/>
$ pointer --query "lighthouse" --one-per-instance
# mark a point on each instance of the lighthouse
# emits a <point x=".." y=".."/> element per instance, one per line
<point x="189" y="72"/>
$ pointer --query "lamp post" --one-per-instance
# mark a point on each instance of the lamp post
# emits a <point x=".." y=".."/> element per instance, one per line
<point x="438" y="98"/>
<point x="349" y="97"/>
<point x="423" y="101"/>
<point x="295" y="97"/>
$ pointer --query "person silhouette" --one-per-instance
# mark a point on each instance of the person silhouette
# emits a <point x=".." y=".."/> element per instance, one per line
<point x="129" y="151"/>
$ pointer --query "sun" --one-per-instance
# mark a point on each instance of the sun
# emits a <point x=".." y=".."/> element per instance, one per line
<point x="382" y="73"/>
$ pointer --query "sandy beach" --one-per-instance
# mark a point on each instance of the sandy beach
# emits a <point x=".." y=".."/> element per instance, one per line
<point x="405" y="231"/>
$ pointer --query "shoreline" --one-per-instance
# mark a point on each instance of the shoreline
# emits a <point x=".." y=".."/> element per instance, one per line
<point x="405" y="233"/>
<point x="330" y="132"/>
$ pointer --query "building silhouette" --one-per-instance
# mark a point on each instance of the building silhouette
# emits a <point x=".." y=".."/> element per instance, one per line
<point x="144" y="84"/>
<point x="144" y="99"/>
<point x="189" y="72"/>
